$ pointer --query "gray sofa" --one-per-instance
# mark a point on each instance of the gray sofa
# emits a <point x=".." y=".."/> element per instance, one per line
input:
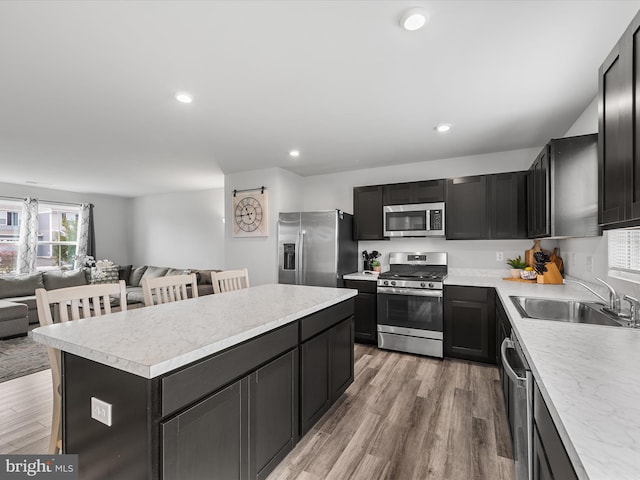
<point x="20" y="288"/>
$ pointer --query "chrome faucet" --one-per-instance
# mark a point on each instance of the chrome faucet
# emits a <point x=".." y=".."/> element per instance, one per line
<point x="634" y="304"/>
<point x="614" y="298"/>
<point x="613" y="301"/>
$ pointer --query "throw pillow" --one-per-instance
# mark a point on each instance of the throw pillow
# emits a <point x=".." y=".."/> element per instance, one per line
<point x="105" y="274"/>
<point x="124" y="273"/>
<point x="136" y="275"/>
<point x="155" y="272"/>
<point x="178" y="271"/>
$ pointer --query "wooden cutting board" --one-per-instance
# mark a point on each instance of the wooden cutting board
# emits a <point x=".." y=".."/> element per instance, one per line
<point x="511" y="279"/>
<point x="528" y="254"/>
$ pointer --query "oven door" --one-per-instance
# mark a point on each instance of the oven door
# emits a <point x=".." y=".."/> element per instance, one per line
<point x="409" y="310"/>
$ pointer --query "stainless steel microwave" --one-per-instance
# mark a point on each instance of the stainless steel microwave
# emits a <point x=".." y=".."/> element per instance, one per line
<point x="415" y="220"/>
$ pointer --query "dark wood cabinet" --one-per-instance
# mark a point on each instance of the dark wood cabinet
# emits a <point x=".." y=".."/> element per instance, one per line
<point x="469" y="323"/>
<point x="619" y="127"/>
<point x="210" y="439"/>
<point x="550" y="458"/>
<point x="273" y="414"/>
<point x="508" y="205"/>
<point x="243" y="431"/>
<point x="466" y="208"/>
<point x="414" y="192"/>
<point x="366" y="310"/>
<point x="367" y="213"/>
<point x="326" y="366"/>
<point x="538" y="196"/>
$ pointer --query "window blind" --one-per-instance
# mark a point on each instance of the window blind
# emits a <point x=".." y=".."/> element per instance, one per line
<point x="624" y="250"/>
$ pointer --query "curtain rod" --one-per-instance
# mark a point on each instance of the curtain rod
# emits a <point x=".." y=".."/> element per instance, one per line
<point x="3" y="197"/>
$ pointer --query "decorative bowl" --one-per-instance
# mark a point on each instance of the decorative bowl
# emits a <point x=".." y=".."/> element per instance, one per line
<point x="528" y="275"/>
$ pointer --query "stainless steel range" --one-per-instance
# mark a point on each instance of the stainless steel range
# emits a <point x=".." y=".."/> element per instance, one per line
<point x="410" y="308"/>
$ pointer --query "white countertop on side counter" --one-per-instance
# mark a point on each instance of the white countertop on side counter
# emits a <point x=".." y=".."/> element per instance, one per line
<point x="372" y="277"/>
<point x="589" y="376"/>
<point x="151" y="341"/>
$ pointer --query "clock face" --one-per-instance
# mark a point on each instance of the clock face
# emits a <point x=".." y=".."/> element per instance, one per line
<point x="249" y="214"/>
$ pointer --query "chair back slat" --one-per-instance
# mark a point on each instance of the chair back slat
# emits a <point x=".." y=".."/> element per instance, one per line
<point x="230" y="280"/>
<point x="170" y="288"/>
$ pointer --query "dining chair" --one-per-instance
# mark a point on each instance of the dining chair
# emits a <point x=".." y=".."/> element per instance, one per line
<point x="229" y="280"/>
<point x="67" y="304"/>
<point x="170" y="288"/>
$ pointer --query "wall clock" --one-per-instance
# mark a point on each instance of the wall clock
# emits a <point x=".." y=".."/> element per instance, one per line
<point x="250" y="213"/>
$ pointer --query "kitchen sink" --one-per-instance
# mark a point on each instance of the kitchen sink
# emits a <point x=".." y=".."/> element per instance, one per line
<point x="573" y="311"/>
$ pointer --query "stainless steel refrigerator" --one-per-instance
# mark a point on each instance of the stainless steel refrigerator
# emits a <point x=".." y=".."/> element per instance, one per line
<point x="316" y="248"/>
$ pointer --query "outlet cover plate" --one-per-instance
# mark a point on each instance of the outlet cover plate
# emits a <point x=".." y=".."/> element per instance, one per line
<point x="101" y="411"/>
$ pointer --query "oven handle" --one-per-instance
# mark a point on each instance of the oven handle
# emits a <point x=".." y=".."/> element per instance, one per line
<point x="409" y="292"/>
<point x="508" y="344"/>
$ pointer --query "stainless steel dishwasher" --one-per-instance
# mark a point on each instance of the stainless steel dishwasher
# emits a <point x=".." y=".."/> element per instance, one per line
<point x="520" y="406"/>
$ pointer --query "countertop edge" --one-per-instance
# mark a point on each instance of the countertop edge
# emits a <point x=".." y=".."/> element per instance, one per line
<point x="149" y="371"/>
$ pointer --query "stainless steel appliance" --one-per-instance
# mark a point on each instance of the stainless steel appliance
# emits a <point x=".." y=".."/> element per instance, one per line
<point x="316" y="248"/>
<point x="410" y="309"/>
<point x="520" y="404"/>
<point x="414" y="220"/>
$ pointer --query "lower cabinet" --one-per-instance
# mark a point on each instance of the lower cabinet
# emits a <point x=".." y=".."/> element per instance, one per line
<point x="243" y="431"/>
<point x="550" y="459"/>
<point x="326" y="367"/>
<point x="366" y="310"/>
<point x="469" y="323"/>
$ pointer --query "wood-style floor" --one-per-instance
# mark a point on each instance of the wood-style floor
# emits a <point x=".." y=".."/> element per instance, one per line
<point x="409" y="417"/>
<point x="25" y="414"/>
<point x="404" y="417"/>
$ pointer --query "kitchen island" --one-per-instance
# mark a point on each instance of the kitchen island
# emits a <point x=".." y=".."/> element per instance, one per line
<point x="222" y="385"/>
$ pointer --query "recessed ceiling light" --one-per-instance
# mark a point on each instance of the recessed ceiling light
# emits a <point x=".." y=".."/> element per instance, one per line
<point x="184" y="97"/>
<point x="414" y="19"/>
<point x="294" y="153"/>
<point x="443" y="127"/>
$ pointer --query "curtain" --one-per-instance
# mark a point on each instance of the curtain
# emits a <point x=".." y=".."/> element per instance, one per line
<point x="86" y="234"/>
<point x="28" y="243"/>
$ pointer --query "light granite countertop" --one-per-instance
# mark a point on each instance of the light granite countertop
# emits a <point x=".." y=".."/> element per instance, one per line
<point x="151" y="341"/>
<point x="589" y="376"/>
<point x="371" y="277"/>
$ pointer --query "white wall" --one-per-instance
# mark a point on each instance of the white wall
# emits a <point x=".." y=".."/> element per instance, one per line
<point x="111" y="216"/>
<point x="182" y="230"/>
<point x="322" y="192"/>
<point x="259" y="254"/>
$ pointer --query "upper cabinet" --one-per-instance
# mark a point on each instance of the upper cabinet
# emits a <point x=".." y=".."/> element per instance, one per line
<point x="413" y="192"/>
<point x="367" y="213"/>
<point x="466" y="208"/>
<point x="508" y="205"/>
<point x="538" y="192"/>
<point x="486" y="207"/>
<point x="562" y="189"/>
<point x="619" y="126"/>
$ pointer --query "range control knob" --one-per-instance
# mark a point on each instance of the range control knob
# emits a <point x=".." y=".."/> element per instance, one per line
<point x="430" y="285"/>
<point x="393" y="282"/>
<point x="422" y="284"/>
<point x="386" y="282"/>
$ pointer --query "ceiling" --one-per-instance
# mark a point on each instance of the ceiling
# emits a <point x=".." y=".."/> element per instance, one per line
<point x="86" y="97"/>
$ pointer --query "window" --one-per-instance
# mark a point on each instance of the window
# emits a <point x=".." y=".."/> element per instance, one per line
<point x="57" y="235"/>
<point x="624" y="254"/>
<point x="9" y="234"/>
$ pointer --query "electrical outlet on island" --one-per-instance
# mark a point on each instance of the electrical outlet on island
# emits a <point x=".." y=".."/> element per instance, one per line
<point x="499" y="256"/>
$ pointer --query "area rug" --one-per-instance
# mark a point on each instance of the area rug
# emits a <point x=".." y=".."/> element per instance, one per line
<point x="21" y="356"/>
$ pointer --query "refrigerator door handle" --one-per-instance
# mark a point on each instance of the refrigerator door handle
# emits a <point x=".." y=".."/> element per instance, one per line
<point x="300" y="270"/>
